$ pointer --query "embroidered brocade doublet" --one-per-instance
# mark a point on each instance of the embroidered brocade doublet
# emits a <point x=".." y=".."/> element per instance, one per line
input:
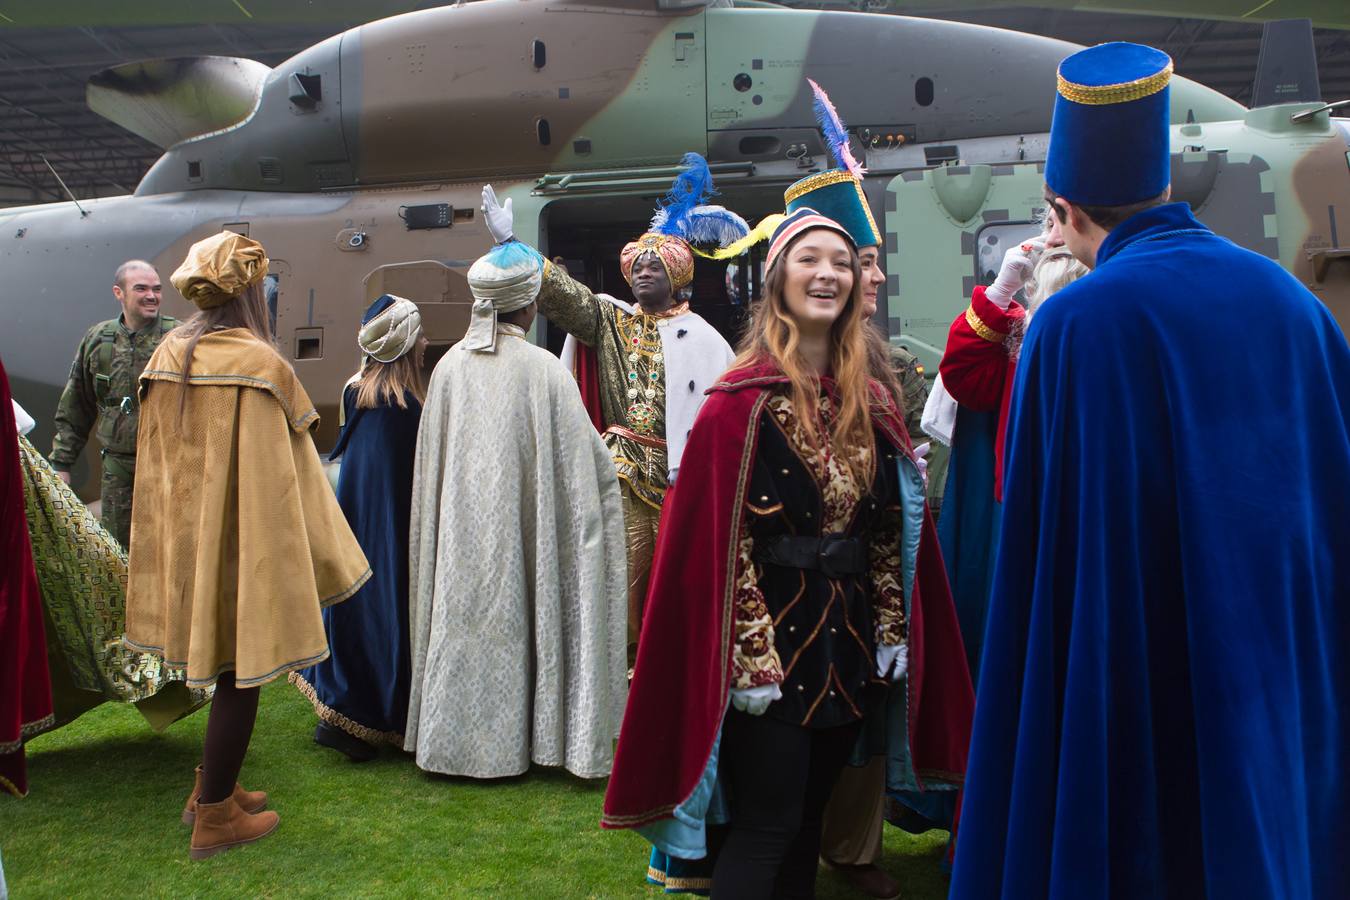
<point x="626" y="345"/>
<point x="813" y="634"/>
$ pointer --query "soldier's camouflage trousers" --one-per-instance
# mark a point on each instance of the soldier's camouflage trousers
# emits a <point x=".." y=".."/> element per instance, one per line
<point x="118" y="481"/>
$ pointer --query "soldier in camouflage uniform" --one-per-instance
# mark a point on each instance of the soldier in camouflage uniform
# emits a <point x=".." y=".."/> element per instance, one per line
<point x="913" y="383"/>
<point x="100" y="395"/>
<point x="915" y="386"/>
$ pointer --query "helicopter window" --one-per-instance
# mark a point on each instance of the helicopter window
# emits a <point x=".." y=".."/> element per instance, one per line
<point x="992" y="241"/>
<point x="541" y="130"/>
<point x="271" y="289"/>
<point x="923" y="91"/>
<point x="539" y="52"/>
<point x="194" y="170"/>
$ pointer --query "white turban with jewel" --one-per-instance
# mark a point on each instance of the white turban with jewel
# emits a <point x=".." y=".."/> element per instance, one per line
<point x="504" y="280"/>
<point x="390" y="328"/>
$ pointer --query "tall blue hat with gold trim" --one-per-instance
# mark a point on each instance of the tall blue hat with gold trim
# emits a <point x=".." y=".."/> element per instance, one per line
<point x="1109" y="140"/>
<point x="836" y="193"/>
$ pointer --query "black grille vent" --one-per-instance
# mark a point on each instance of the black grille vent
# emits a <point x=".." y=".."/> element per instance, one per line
<point x="269" y="169"/>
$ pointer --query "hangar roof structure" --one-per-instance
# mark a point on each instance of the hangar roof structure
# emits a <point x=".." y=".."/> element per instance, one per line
<point x="47" y="57"/>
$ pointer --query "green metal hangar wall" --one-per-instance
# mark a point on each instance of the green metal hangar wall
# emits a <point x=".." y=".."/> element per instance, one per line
<point x="49" y="51"/>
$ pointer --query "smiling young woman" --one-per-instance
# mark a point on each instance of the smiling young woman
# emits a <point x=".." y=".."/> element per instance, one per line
<point x="791" y="534"/>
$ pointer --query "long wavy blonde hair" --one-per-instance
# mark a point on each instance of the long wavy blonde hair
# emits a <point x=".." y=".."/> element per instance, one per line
<point x="247" y="310"/>
<point x="856" y="351"/>
<point x="389" y="384"/>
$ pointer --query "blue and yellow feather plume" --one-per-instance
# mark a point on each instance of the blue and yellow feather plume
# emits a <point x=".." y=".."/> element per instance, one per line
<point x="683" y="212"/>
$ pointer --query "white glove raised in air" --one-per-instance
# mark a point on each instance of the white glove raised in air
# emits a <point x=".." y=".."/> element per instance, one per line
<point x="921" y="459"/>
<point x="498" y="218"/>
<point x="1018" y="263"/>
<point x="755" y="700"/>
<point x="892" y="661"/>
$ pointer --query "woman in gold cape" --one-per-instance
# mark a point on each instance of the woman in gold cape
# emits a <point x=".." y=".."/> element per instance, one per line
<point x="237" y="540"/>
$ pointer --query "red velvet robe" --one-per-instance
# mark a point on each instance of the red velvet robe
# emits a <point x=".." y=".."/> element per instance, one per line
<point x="976" y="368"/>
<point x="681" y="684"/>
<point x="25" y="687"/>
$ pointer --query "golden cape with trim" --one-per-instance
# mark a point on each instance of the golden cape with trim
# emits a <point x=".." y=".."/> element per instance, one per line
<point x="237" y="540"/>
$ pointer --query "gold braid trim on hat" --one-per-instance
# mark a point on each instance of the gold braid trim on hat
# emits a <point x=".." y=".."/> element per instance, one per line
<point x="1107" y="94"/>
<point x="977" y="325"/>
<point x="815" y="182"/>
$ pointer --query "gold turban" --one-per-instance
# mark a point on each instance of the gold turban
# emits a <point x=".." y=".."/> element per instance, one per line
<point x="675" y="254"/>
<point x="218" y="268"/>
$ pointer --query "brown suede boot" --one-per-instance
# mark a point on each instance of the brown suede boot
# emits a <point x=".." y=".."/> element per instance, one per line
<point x="223" y="826"/>
<point x="249" y="801"/>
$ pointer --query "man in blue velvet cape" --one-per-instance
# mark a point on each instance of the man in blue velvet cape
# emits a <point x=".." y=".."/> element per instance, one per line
<point x="1163" y="707"/>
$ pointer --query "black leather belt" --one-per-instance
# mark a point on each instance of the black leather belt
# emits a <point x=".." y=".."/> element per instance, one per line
<point x="833" y="555"/>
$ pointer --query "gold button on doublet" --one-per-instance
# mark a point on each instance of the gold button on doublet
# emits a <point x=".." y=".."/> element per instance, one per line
<point x="791" y="629"/>
<point x="785" y="471"/>
<point x="801" y="687"/>
<point x="831" y="693"/>
<point x="763" y="498"/>
<point x="833" y="630"/>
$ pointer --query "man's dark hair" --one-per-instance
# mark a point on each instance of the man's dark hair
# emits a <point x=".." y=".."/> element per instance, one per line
<point x="120" y="276"/>
<point x="1105" y="217"/>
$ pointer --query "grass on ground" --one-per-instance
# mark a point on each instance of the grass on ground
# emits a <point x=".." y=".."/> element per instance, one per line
<point x="106" y="793"/>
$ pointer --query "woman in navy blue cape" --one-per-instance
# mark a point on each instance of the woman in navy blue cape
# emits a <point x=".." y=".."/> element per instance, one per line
<point x="1164" y="696"/>
<point x="361" y="691"/>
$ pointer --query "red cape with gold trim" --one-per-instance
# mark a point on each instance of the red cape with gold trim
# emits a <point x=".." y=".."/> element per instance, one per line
<point x="681" y="682"/>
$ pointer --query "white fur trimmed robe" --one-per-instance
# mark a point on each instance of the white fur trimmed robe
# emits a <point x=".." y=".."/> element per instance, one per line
<point x="518" y="585"/>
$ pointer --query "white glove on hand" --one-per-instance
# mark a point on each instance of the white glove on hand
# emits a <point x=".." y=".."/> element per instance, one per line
<point x="756" y="699"/>
<point x="499" y="218"/>
<point x="921" y="459"/>
<point x="1018" y="263"/>
<point x="892" y="661"/>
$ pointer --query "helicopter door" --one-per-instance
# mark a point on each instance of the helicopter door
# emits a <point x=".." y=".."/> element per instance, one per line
<point x="946" y="231"/>
<point x="442" y="297"/>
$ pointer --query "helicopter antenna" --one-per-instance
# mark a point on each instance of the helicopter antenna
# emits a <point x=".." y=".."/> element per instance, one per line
<point x="83" y="212"/>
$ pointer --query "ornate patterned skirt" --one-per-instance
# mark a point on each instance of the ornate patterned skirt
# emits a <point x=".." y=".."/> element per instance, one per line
<point x="82" y="574"/>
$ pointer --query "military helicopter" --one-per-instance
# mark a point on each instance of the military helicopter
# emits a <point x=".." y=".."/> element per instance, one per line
<point x="358" y="164"/>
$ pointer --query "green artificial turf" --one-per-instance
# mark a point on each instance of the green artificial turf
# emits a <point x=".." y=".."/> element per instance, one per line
<point x="106" y="793"/>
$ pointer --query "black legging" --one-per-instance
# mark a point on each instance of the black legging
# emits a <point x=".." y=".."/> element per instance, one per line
<point x="228" y="731"/>
<point x="779" y="778"/>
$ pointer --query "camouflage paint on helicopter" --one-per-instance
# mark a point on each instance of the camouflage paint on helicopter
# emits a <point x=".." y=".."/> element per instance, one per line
<point x="360" y="163"/>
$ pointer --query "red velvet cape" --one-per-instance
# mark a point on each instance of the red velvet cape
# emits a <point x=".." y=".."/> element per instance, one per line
<point x="25" y="686"/>
<point x="586" y="370"/>
<point x="682" y="679"/>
